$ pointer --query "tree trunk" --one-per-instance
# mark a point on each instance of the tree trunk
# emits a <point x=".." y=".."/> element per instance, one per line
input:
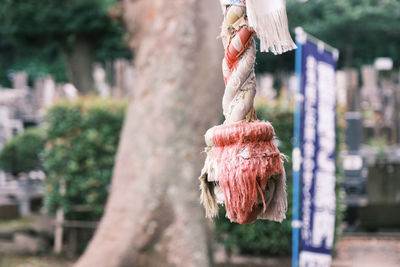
<point x="153" y="216"/>
<point x="79" y="65"/>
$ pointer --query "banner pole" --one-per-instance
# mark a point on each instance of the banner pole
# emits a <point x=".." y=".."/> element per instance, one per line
<point x="296" y="157"/>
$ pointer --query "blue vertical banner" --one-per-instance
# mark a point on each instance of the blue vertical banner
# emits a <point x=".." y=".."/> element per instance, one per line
<point x="317" y="141"/>
<point x="296" y="157"/>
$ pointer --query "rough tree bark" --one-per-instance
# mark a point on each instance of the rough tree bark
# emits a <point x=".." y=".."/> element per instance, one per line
<point x="153" y="216"/>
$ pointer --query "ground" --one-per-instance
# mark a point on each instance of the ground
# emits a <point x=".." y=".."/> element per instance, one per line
<point x="364" y="250"/>
<point x="354" y="250"/>
<point x="44" y="261"/>
<point x="369" y="251"/>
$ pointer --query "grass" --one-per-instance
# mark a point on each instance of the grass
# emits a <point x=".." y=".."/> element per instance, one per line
<point x="17" y="223"/>
<point x="25" y="260"/>
<point x="31" y="261"/>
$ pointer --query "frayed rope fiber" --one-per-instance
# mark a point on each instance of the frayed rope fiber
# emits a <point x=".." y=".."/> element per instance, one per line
<point x="246" y="158"/>
<point x="243" y="169"/>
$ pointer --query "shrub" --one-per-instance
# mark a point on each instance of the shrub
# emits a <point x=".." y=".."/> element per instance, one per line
<point x="82" y="142"/>
<point x="21" y="154"/>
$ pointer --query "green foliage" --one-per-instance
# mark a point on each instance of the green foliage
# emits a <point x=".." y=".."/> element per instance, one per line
<point x="42" y="21"/>
<point x="82" y="139"/>
<point x="34" y="61"/>
<point x="266" y="237"/>
<point x="361" y="29"/>
<point x="37" y="35"/>
<point x="21" y="154"/>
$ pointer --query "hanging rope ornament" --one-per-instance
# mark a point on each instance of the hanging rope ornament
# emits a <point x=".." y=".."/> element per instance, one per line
<point x="244" y="168"/>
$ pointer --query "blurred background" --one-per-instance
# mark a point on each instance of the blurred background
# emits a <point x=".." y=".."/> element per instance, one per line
<point x="69" y="69"/>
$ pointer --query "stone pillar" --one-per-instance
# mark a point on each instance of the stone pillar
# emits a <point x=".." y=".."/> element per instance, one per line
<point x="119" y="66"/>
<point x="24" y="206"/>
<point x="69" y="91"/>
<point x="24" y="196"/>
<point x="371" y="97"/>
<point x="342" y="85"/>
<point x="49" y="90"/>
<point x="388" y="110"/>
<point x="124" y="74"/>
<point x="38" y="94"/>
<point x="353" y="96"/>
<point x="99" y="76"/>
<point x="20" y="80"/>
<point x="128" y="79"/>
<point x="265" y="86"/>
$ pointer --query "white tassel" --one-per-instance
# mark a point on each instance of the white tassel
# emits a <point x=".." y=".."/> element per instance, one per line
<point x="208" y="197"/>
<point x="269" y="20"/>
<point x="276" y="209"/>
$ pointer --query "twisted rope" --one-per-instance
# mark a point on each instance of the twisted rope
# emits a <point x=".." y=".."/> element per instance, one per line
<point x="238" y="66"/>
<point x="241" y="157"/>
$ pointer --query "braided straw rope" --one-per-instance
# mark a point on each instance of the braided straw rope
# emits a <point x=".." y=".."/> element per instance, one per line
<point x="241" y="157"/>
<point x="238" y="66"/>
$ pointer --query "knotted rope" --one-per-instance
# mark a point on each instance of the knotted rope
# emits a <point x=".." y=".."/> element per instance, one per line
<point x="243" y="169"/>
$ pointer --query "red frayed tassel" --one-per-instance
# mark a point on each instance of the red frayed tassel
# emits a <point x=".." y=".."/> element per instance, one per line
<point x="246" y="158"/>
